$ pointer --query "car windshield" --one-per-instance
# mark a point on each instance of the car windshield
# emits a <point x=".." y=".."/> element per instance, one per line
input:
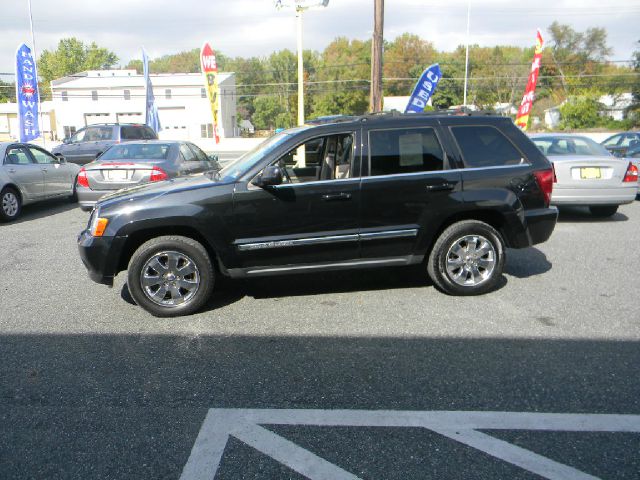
<point x="139" y="152"/>
<point x="570" y="146"/>
<point x="238" y="167"/>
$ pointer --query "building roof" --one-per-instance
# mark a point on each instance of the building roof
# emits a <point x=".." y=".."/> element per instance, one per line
<point x="129" y="78"/>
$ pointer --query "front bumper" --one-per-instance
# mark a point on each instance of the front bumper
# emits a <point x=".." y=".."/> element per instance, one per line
<point x="594" y="196"/>
<point x="101" y="256"/>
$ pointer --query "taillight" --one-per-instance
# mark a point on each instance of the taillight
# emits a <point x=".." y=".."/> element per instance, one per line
<point x="83" y="181"/>
<point x="545" y="179"/>
<point x="632" y="173"/>
<point x="157" y="175"/>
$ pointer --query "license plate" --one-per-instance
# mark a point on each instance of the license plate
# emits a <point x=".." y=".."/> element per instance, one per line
<point x="587" y="173"/>
<point x="117" y="174"/>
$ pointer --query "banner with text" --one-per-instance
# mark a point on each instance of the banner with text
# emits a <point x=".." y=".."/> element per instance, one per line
<point x="424" y="89"/>
<point x="27" y="94"/>
<point x="209" y="68"/>
<point x="522" y="119"/>
<point x="151" y="118"/>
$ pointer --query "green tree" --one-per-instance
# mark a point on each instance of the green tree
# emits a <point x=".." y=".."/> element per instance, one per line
<point x="7" y="92"/>
<point x="73" y="56"/>
<point x="580" y="112"/>
<point x="270" y="114"/>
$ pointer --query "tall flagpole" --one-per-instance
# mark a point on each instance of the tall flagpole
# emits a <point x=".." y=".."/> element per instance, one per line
<point x="35" y="63"/>
<point x="466" y="59"/>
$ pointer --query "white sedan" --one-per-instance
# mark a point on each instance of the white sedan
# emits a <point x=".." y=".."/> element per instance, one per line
<point x="587" y="174"/>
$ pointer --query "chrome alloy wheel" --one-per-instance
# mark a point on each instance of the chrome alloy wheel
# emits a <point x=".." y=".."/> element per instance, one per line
<point x="170" y="278"/>
<point x="470" y="260"/>
<point x="10" y="204"/>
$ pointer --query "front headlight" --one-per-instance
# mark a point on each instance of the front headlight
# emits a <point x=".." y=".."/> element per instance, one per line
<point x="97" y="224"/>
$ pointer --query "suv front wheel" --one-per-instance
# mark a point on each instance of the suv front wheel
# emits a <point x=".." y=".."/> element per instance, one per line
<point x="467" y="258"/>
<point x="170" y="276"/>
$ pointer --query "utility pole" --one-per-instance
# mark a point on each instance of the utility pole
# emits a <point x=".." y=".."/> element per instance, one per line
<point x="375" y="103"/>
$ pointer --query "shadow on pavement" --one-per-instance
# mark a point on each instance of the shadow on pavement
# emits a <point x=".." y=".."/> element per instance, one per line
<point x="131" y="406"/>
<point x="582" y="214"/>
<point x="526" y="262"/>
<point x="46" y="208"/>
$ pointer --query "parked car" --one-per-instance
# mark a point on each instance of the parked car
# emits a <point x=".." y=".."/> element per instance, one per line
<point x="448" y="192"/>
<point x="587" y="174"/>
<point x="28" y="174"/>
<point x="89" y="142"/>
<point x="133" y="163"/>
<point x="619" y="143"/>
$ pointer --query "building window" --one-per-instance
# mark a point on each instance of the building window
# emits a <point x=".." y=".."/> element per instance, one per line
<point x="167" y="94"/>
<point x="65" y="96"/>
<point x="206" y="130"/>
<point x="203" y="92"/>
<point x="94" y="95"/>
<point x="127" y="94"/>
<point x="69" y="131"/>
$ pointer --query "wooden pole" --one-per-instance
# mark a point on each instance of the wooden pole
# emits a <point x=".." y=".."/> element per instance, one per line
<point x="375" y="103"/>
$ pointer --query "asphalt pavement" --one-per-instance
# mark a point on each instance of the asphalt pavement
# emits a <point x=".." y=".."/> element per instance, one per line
<point x="316" y="373"/>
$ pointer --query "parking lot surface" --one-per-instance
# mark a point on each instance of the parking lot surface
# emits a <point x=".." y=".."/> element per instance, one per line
<point x="313" y="376"/>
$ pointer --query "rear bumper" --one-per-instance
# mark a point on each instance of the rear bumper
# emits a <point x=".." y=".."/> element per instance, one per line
<point x="540" y="224"/>
<point x="100" y="255"/>
<point x="594" y="196"/>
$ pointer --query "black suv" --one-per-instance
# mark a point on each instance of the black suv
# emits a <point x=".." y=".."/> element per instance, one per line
<point x="450" y="192"/>
<point x="89" y="142"/>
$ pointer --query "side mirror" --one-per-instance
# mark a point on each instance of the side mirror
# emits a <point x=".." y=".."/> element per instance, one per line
<point x="271" y="175"/>
<point x="66" y="140"/>
<point x="98" y="155"/>
<point x="213" y="158"/>
<point x="61" y="159"/>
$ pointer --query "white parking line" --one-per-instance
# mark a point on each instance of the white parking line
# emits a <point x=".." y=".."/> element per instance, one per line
<point x="244" y="424"/>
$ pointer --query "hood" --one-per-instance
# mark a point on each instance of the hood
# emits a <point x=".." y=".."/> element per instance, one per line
<point x="158" y="189"/>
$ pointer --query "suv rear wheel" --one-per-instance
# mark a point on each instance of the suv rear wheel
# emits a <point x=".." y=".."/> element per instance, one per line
<point x="467" y="258"/>
<point x="170" y="276"/>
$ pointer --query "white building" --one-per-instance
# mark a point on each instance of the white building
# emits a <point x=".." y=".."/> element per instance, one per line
<point x="9" y="121"/>
<point x="615" y="106"/>
<point x="107" y="96"/>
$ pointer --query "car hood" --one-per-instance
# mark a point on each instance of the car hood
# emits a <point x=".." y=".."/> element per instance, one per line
<point x="148" y="191"/>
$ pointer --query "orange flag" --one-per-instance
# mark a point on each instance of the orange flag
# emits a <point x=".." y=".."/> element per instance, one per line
<point x="522" y="119"/>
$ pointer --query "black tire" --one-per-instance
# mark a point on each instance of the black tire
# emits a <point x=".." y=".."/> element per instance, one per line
<point x="453" y="236"/>
<point x="73" y="198"/>
<point x="156" y="248"/>
<point x="10" y="204"/>
<point x="603" y="211"/>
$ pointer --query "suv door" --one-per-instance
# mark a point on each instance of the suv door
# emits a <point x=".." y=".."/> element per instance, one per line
<point x="409" y="186"/>
<point x="311" y="218"/>
<point x="21" y="169"/>
<point x="97" y="139"/>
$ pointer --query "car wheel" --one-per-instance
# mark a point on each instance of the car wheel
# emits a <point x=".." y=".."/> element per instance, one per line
<point x="73" y="198"/>
<point x="467" y="258"/>
<point x="170" y="276"/>
<point x="10" y="204"/>
<point x="603" y="211"/>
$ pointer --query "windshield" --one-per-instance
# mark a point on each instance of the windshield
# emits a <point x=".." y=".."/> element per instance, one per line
<point x="139" y="152"/>
<point x="570" y="146"/>
<point x="238" y="167"/>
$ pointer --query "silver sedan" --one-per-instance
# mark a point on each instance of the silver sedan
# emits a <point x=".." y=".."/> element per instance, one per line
<point x="28" y="174"/>
<point x="132" y="163"/>
<point x="587" y="174"/>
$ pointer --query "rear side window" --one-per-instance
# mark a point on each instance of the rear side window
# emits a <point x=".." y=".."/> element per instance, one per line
<point x="97" y="134"/>
<point x="405" y="151"/>
<point x="133" y="132"/>
<point x="484" y="146"/>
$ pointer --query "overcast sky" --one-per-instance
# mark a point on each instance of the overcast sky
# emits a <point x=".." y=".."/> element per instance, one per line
<point x="256" y="28"/>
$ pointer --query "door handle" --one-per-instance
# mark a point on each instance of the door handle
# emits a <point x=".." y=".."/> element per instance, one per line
<point x="44" y="170"/>
<point x="12" y="170"/>
<point x="336" y="196"/>
<point x="440" y="187"/>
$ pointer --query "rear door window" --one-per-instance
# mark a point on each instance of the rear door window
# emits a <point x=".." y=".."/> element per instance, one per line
<point x="406" y="150"/>
<point x="200" y="155"/>
<point x="485" y="146"/>
<point x="133" y="132"/>
<point x="17" y="156"/>
<point x="98" y="134"/>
